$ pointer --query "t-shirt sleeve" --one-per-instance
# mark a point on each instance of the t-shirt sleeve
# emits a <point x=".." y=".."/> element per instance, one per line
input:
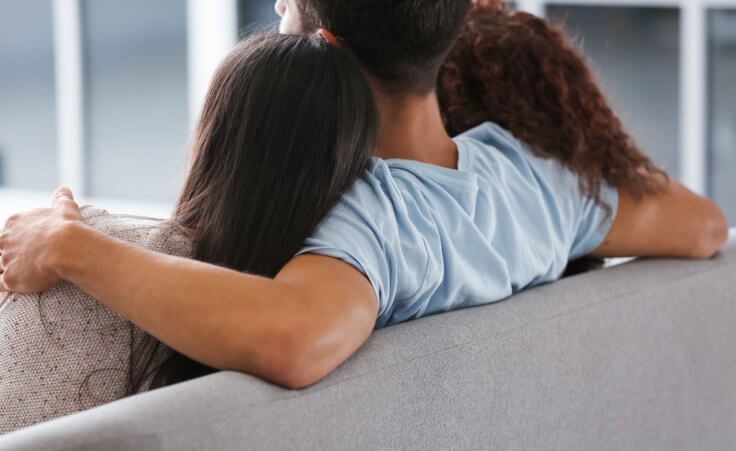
<point x="580" y="223"/>
<point x="357" y="232"/>
<point x="575" y="219"/>
<point x="594" y="222"/>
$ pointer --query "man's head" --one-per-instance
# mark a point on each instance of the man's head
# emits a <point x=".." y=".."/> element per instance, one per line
<point x="401" y="43"/>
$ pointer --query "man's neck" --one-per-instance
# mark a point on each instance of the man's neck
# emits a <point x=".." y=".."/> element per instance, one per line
<point x="412" y="129"/>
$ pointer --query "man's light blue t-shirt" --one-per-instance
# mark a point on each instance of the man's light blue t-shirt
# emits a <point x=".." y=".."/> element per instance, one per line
<point x="432" y="239"/>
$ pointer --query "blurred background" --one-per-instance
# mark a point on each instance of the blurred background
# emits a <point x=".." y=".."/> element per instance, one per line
<point x="101" y="95"/>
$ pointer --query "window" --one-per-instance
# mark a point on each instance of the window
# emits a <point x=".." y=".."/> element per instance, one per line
<point x="635" y="55"/>
<point x="256" y="12"/>
<point x="722" y="123"/>
<point x="130" y="76"/>
<point x="28" y="152"/>
<point x="136" y="98"/>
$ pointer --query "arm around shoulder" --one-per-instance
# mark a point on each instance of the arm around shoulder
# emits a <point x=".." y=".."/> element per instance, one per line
<point x="292" y="330"/>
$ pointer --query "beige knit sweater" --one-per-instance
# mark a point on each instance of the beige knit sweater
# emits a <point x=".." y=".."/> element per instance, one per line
<point x="61" y="351"/>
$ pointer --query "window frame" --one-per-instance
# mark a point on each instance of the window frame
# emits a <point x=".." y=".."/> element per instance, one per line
<point x="212" y="30"/>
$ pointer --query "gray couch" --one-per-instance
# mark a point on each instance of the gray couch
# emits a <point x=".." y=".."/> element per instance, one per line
<point x="638" y="356"/>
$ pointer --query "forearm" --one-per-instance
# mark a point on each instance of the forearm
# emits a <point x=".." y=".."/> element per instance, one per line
<point x="672" y="223"/>
<point x="223" y="318"/>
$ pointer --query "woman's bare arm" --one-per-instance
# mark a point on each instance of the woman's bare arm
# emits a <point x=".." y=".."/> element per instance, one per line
<point x="292" y="330"/>
<point x="672" y="223"/>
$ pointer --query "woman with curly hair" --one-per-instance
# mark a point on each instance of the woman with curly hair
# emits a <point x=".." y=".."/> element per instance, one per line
<point x="524" y="74"/>
<point x="517" y="70"/>
<point x="540" y="173"/>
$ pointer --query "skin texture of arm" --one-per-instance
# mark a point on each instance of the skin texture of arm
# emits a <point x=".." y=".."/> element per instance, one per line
<point x="673" y="223"/>
<point x="292" y="330"/>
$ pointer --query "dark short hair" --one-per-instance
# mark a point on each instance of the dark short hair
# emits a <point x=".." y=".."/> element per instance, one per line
<point x="400" y="42"/>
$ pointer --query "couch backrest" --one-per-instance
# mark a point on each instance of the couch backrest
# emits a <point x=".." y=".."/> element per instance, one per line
<point x="638" y="356"/>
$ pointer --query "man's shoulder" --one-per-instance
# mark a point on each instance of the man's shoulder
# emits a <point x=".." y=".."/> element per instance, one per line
<point x="374" y="189"/>
<point x="491" y="135"/>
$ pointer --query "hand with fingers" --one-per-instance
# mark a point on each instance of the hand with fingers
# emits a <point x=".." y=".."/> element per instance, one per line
<point x="31" y="242"/>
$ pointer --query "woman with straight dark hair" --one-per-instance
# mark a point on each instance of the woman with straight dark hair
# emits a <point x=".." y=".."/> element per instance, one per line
<point x="288" y="124"/>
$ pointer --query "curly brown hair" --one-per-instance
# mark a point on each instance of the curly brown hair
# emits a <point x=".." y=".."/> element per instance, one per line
<point x="526" y="75"/>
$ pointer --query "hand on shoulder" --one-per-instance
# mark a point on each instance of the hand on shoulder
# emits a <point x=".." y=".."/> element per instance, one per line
<point x="29" y="244"/>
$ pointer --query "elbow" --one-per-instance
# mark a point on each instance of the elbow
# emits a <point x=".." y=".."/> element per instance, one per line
<point x="291" y="363"/>
<point x="297" y="381"/>
<point x="292" y="374"/>
<point x="711" y="234"/>
<point x="300" y="351"/>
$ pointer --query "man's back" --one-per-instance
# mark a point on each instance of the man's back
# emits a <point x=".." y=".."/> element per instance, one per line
<point x="432" y="239"/>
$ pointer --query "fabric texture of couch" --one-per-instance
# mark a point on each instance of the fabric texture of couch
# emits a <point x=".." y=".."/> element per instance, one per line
<point x="637" y="356"/>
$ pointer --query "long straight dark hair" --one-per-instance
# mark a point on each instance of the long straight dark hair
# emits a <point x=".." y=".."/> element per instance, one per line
<point x="288" y="124"/>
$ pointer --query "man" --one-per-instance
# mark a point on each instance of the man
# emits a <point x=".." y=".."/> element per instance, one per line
<point x="296" y="328"/>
